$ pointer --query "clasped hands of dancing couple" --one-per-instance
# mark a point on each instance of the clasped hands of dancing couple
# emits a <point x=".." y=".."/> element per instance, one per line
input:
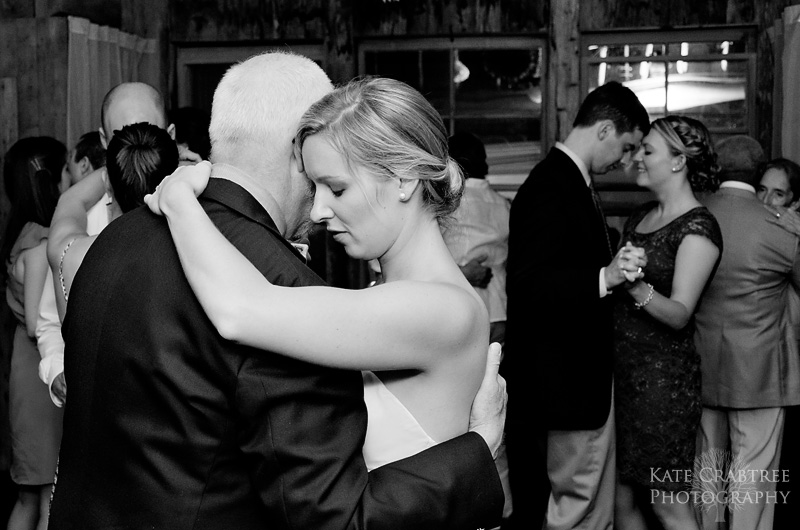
<point x="629" y="264"/>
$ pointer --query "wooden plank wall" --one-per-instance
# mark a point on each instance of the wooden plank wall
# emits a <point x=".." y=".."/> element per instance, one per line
<point x="33" y="66"/>
<point x="149" y="19"/>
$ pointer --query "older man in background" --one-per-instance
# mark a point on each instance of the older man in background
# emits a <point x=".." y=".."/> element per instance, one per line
<point x="749" y="354"/>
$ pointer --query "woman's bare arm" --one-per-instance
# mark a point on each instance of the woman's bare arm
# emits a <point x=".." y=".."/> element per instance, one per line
<point x="694" y="262"/>
<point x="392" y="326"/>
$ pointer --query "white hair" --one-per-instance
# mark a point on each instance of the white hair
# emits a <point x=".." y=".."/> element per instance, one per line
<point x="258" y="105"/>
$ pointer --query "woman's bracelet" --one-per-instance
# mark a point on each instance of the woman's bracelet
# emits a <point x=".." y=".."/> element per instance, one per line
<point x="647" y="300"/>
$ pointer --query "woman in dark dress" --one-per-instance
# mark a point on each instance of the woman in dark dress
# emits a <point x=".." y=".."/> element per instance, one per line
<point x="657" y="371"/>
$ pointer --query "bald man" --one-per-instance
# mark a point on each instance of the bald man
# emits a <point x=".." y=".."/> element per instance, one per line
<point x="129" y="103"/>
<point x="125" y="104"/>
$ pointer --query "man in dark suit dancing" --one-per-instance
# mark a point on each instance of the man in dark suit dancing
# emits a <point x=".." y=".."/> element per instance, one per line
<point x="170" y="426"/>
<point x="559" y="330"/>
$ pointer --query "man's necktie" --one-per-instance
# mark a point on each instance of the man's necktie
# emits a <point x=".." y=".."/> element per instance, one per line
<point x="599" y="207"/>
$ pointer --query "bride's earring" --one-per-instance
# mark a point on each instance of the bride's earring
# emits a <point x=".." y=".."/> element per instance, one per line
<point x="402" y="196"/>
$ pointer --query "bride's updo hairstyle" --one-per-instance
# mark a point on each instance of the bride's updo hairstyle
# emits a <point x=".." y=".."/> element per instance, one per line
<point x="390" y="129"/>
<point x="689" y="137"/>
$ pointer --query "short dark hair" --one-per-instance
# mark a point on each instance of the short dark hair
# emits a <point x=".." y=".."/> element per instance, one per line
<point x="138" y="158"/>
<point x="91" y="147"/>
<point x="792" y="171"/>
<point x="191" y="128"/>
<point x="468" y="150"/>
<point x="614" y="102"/>
<point x="740" y="158"/>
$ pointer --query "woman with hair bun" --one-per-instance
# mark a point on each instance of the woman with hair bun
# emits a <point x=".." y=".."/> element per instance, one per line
<point x="656" y="367"/>
<point x="375" y="153"/>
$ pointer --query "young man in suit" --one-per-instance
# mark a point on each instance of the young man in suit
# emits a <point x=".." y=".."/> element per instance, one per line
<point x="171" y="426"/>
<point x="559" y="331"/>
<point x="746" y="341"/>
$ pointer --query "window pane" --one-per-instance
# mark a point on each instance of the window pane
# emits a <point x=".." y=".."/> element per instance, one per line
<point x="436" y="79"/>
<point x="499" y="130"/>
<point x="512" y="147"/>
<point x="711" y="91"/>
<point x="403" y="66"/>
<point x="204" y="79"/>
<point x="498" y="82"/>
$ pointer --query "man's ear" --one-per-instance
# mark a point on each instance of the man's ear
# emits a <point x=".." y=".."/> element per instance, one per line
<point x="103" y="139"/>
<point x="85" y="166"/>
<point x="171" y="130"/>
<point x="604" y="129"/>
<point x="297" y="157"/>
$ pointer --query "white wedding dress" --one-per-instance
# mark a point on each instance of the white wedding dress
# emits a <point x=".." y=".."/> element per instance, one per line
<point x="392" y="431"/>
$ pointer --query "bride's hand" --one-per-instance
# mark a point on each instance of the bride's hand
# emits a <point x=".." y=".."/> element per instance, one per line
<point x="185" y="182"/>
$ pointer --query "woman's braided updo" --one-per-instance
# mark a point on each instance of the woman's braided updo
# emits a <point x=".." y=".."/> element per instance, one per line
<point x="690" y="138"/>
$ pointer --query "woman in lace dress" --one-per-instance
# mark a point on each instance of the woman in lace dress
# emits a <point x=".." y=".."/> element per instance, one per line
<point x="375" y="153"/>
<point x="657" y="370"/>
<point x="32" y="174"/>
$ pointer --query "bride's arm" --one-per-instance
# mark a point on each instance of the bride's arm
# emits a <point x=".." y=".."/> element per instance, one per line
<point x="392" y="326"/>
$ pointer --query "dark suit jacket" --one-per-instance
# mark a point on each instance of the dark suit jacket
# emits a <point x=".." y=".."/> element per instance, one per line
<point x="170" y="426"/>
<point x="558" y="359"/>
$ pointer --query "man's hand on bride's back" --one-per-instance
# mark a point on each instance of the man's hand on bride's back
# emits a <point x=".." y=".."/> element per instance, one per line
<point x="185" y="183"/>
<point x="488" y="414"/>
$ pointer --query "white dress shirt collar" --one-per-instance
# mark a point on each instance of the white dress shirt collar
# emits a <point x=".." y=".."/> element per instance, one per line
<point x="739" y="185"/>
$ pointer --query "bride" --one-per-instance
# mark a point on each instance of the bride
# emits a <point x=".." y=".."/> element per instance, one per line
<point x="375" y="153"/>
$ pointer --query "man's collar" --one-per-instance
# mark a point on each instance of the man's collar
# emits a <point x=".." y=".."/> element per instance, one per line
<point x="737" y="184"/>
<point x="235" y="197"/>
<point x="250" y="184"/>
<point x="578" y="162"/>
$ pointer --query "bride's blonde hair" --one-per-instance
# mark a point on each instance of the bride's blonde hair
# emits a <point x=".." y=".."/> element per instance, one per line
<point x="390" y="129"/>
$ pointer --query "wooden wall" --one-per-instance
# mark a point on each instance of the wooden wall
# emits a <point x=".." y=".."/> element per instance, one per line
<point x="33" y="83"/>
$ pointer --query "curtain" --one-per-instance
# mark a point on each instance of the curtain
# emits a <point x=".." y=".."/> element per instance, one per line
<point x="99" y="58"/>
<point x="785" y="36"/>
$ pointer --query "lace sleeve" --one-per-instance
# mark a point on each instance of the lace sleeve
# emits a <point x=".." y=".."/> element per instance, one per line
<point x="703" y="223"/>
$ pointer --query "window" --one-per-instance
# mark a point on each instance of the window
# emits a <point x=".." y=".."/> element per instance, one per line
<point x="707" y="74"/>
<point x="201" y="66"/>
<point x="490" y="86"/>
